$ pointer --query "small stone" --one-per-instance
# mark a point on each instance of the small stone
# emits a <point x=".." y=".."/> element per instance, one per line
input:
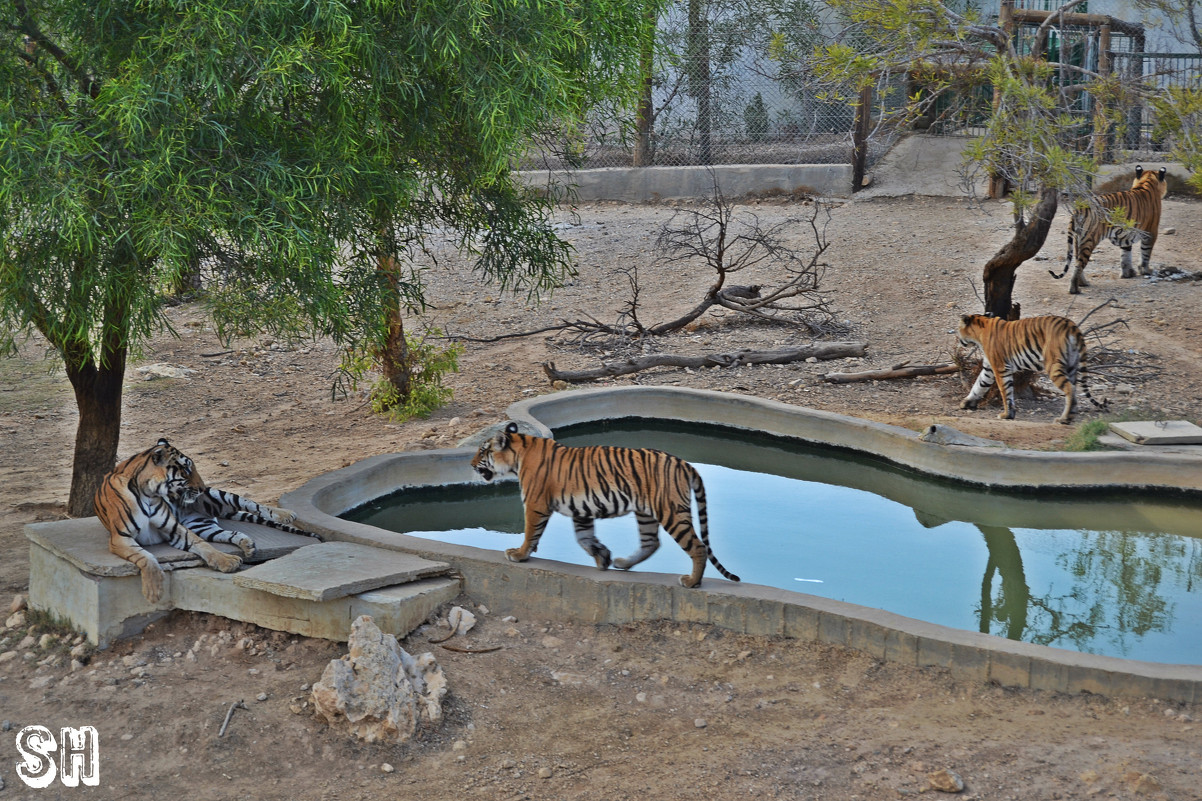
<point x="945" y="781"/>
<point x="459" y="745"/>
<point x="15" y="621"/>
<point x="386" y="768"/>
<point x="27" y="643"/>
<point x="17" y="605"/>
<point x="127" y="736"/>
<point x="46" y="640"/>
<point x="641" y="698"/>
<point x="700" y="723"/>
<point x="509" y="619"/>
<point x="551" y="641"/>
<point x="1170" y="713"/>
<point x="545" y="773"/>
<point x="261" y="697"/>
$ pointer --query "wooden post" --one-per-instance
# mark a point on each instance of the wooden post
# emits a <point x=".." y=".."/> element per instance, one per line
<point x="1100" y="128"/>
<point x="1005" y="19"/>
<point x="859" y="137"/>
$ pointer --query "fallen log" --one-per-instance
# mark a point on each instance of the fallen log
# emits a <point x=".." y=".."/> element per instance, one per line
<point x="820" y="350"/>
<point x="891" y="373"/>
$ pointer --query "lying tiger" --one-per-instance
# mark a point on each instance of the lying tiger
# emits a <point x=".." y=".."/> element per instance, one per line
<point x="600" y="482"/>
<point x="1031" y="343"/>
<point x="157" y="496"/>
<point x="1140" y="205"/>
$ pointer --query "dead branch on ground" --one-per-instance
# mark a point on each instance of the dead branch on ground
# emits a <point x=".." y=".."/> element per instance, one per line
<point x="903" y="370"/>
<point x="819" y="350"/>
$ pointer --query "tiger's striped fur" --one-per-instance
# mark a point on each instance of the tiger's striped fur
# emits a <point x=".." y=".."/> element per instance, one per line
<point x="1031" y="343"/>
<point x="1140" y="205"/>
<point x="201" y="507"/>
<point x="134" y="504"/>
<point x="587" y="483"/>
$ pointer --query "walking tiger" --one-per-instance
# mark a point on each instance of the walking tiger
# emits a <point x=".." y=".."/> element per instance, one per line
<point x="587" y="483"/>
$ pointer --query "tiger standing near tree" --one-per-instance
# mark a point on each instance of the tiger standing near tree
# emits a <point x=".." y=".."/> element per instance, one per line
<point x="1050" y="343"/>
<point x="1139" y="206"/>
<point x="600" y="481"/>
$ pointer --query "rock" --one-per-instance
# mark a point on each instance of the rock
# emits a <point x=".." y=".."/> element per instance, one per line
<point x="946" y="435"/>
<point x="16" y="620"/>
<point x="700" y="723"/>
<point x="27" y="643"/>
<point x="386" y="768"/>
<point x="945" y="781"/>
<point x="545" y="773"/>
<point x="17" y="605"/>
<point x="152" y="372"/>
<point x="460" y="620"/>
<point x="378" y="690"/>
<point x="1142" y="783"/>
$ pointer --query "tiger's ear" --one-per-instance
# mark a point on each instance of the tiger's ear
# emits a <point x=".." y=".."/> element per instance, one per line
<point x="1162" y="172"/>
<point x="967" y="319"/>
<point x="1139" y="170"/>
<point x="159" y="454"/>
<point x="512" y="428"/>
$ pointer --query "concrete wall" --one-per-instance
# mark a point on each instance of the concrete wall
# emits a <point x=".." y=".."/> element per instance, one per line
<point x="644" y="184"/>
<point x="555" y="590"/>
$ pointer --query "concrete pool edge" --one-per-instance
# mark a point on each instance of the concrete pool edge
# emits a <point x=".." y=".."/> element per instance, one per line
<point x="555" y="590"/>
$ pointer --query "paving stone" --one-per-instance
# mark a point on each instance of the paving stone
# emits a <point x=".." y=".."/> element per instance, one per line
<point x="331" y="570"/>
<point x="1159" y="432"/>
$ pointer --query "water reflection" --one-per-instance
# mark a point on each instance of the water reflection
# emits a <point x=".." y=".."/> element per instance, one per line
<point x="1115" y="574"/>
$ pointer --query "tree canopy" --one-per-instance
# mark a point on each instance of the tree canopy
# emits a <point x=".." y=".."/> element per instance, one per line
<point x="286" y="145"/>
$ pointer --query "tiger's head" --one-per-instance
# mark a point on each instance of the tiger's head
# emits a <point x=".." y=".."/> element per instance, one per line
<point x="497" y="456"/>
<point x="973" y="327"/>
<point x="170" y="472"/>
<point x="1157" y="180"/>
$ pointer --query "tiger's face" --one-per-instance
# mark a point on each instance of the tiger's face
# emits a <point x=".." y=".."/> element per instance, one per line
<point x="176" y="476"/>
<point x="970" y="329"/>
<point x="496" y="457"/>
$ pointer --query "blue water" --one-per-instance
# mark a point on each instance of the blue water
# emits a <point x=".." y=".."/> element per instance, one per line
<point x="1096" y="572"/>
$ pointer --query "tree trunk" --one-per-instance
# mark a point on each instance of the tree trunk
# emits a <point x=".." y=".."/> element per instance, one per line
<point x="1029" y="236"/>
<point x="98" y="396"/>
<point x="697" y="52"/>
<point x="393" y="356"/>
<point x="644" y="120"/>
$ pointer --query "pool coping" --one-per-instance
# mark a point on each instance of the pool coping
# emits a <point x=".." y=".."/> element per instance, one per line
<point x="555" y="590"/>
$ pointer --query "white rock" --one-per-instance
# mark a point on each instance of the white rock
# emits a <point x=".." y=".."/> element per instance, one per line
<point x="460" y="620"/>
<point x="15" y="621"/>
<point x="18" y="604"/>
<point x="386" y="768"/>
<point x="159" y="370"/>
<point x="378" y="690"/>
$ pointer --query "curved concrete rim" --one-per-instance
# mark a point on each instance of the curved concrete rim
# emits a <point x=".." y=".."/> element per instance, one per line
<point x="557" y="590"/>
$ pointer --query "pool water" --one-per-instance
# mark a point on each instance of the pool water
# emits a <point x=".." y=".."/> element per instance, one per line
<point x="1111" y="573"/>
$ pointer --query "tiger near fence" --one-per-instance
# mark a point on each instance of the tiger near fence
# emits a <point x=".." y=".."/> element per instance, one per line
<point x="1050" y="343"/>
<point x="599" y="481"/>
<point x="157" y="496"/>
<point x="1139" y="206"/>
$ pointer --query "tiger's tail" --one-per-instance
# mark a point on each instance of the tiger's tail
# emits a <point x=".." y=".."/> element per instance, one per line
<point x="703" y="525"/>
<point x="1072" y="241"/>
<point x="1082" y="372"/>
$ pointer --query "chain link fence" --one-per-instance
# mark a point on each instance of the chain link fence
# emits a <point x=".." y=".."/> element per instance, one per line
<point x="718" y="95"/>
<point x="722" y="92"/>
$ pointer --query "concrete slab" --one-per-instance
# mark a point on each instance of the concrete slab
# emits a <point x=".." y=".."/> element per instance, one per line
<point x="332" y="570"/>
<point x="84" y="543"/>
<point x="1159" y="432"/>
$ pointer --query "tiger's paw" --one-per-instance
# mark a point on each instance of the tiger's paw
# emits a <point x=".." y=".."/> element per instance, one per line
<point x="688" y="581"/>
<point x="968" y="404"/>
<point x="602" y="559"/>
<point x="516" y="555"/>
<point x="248" y="548"/>
<point x="225" y="562"/>
<point x="1006" y="415"/>
<point x="280" y="515"/>
<point x="152" y="582"/>
<point x="1065" y="420"/>
<point x="623" y="564"/>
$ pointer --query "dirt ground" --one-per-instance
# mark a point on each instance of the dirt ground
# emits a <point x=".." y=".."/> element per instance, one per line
<point x="574" y="711"/>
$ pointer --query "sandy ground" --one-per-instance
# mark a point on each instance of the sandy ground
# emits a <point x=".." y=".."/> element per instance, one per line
<point x="572" y="711"/>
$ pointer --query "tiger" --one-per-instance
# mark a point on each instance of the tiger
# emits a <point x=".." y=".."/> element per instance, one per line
<point x="134" y="504"/>
<point x="158" y="496"/>
<point x="1140" y="205"/>
<point x="601" y="481"/>
<point x="1031" y="343"/>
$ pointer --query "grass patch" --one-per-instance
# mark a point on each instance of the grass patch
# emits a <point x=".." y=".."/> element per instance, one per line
<point x="1085" y="437"/>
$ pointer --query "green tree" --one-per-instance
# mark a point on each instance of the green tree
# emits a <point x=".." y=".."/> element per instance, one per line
<point x="298" y="150"/>
<point x="1032" y="142"/>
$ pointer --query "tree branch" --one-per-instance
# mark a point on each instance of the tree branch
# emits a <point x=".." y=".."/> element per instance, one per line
<point x="820" y="350"/>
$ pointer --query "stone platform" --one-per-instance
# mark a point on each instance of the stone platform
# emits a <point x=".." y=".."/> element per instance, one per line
<point x="300" y="585"/>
